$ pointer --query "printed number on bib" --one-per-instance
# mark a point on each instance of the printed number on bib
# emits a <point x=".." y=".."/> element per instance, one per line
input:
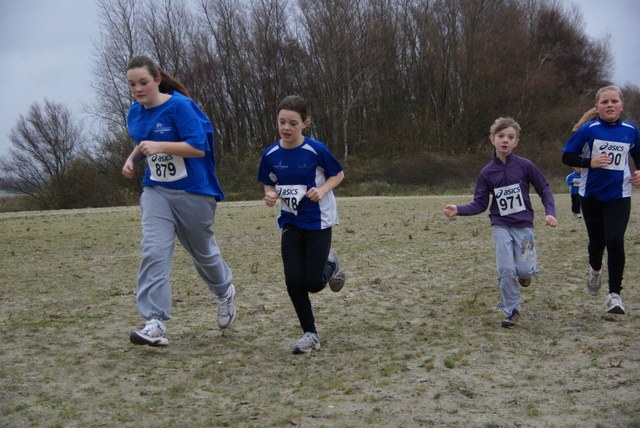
<point x="509" y="199"/>
<point x="164" y="167"/>
<point x="618" y="153"/>
<point x="291" y="196"/>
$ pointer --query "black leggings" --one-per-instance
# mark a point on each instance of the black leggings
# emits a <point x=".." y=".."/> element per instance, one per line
<point x="304" y="256"/>
<point x="575" y="203"/>
<point x="606" y="224"/>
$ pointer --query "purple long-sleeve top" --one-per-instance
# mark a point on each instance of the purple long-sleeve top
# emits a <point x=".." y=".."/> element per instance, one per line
<point x="498" y="179"/>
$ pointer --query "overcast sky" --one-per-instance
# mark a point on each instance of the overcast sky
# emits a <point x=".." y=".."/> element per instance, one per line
<point x="45" y="51"/>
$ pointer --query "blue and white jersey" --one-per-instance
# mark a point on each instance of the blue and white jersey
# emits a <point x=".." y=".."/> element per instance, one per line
<point x="293" y="172"/>
<point x="617" y="140"/>
<point x="177" y="119"/>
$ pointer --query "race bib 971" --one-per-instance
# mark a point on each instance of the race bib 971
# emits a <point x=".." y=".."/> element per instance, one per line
<point x="291" y="195"/>
<point x="167" y="168"/>
<point x="509" y="199"/>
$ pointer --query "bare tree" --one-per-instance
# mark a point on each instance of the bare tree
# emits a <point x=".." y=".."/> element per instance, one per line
<point x="120" y="40"/>
<point x="45" y="144"/>
<point x="384" y="78"/>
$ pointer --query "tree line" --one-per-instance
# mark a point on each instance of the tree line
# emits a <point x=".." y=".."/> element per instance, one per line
<point x="398" y="89"/>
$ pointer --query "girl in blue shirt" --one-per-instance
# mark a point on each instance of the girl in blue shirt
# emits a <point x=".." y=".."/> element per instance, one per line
<point x="601" y="145"/>
<point x="302" y="173"/>
<point x="180" y="194"/>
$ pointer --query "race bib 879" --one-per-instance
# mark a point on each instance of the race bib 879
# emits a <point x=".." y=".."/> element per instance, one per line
<point x="167" y="168"/>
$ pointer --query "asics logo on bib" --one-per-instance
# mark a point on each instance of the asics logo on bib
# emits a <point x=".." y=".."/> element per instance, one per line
<point x="507" y="192"/>
<point x="612" y="147"/>
<point x="161" y="158"/>
<point x="288" y="192"/>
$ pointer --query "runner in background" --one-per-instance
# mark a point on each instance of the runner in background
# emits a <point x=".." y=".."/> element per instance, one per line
<point x="601" y="145"/>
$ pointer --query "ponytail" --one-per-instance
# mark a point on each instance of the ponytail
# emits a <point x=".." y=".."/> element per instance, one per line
<point x="588" y="116"/>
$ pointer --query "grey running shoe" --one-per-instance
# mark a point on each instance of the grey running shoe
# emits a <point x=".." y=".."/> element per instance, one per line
<point x="525" y="282"/>
<point x="152" y="334"/>
<point x="308" y="342"/>
<point x="614" y="304"/>
<point x="512" y="320"/>
<point x="226" y="308"/>
<point x="594" y="282"/>
<point x="336" y="282"/>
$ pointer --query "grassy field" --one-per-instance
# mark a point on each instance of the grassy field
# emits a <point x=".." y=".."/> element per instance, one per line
<point x="410" y="341"/>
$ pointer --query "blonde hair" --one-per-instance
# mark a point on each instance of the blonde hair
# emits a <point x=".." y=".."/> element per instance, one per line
<point x="592" y="113"/>
<point x="588" y="116"/>
<point x="503" y="123"/>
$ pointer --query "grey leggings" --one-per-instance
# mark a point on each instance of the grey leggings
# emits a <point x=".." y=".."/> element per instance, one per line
<point x="166" y="214"/>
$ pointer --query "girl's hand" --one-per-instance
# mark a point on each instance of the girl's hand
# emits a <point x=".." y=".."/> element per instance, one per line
<point x="128" y="170"/>
<point x="451" y="211"/>
<point x="315" y="194"/>
<point x="635" y="178"/>
<point x="551" y="220"/>
<point x="600" y="161"/>
<point x="270" y="198"/>
<point x="149" y="148"/>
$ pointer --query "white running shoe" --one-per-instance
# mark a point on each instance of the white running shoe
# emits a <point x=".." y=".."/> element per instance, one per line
<point x="226" y="308"/>
<point x="614" y="304"/>
<point x="336" y="282"/>
<point x="594" y="282"/>
<point x="153" y="334"/>
<point x="308" y="342"/>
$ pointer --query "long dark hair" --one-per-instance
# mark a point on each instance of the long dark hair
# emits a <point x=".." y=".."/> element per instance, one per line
<point x="168" y="83"/>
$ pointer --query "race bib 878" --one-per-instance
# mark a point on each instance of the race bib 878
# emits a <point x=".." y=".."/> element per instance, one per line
<point x="291" y="195"/>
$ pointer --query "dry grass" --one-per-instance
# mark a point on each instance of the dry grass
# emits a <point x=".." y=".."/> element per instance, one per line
<point x="410" y="341"/>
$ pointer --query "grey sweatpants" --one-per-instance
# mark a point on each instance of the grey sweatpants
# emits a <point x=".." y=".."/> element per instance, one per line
<point x="166" y="214"/>
<point x="515" y="258"/>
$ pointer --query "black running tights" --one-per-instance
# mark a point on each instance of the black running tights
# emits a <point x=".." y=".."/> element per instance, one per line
<point x="304" y="256"/>
<point x="606" y="225"/>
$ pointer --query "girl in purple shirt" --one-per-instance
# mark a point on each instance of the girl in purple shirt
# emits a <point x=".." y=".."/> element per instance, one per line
<point x="508" y="177"/>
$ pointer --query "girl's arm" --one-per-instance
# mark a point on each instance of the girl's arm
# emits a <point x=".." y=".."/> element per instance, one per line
<point x="182" y="148"/>
<point x="129" y="168"/>
<point x="481" y="197"/>
<point x="543" y="189"/>
<point x="317" y="193"/>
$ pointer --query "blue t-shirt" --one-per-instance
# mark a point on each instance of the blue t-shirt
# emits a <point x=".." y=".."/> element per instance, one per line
<point x="177" y="119"/>
<point x="573" y="188"/>
<point x="618" y="140"/>
<point x="293" y="172"/>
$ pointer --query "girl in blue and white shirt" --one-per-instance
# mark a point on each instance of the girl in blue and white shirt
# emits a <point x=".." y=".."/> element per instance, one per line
<point x="601" y="146"/>
<point x="302" y="173"/>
